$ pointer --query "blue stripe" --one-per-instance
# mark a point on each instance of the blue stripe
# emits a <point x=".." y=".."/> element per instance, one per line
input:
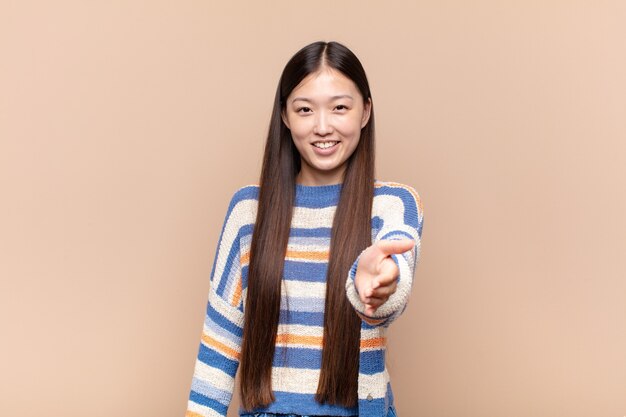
<point x="309" y="241"/>
<point x="220" y="331"/>
<point x="245" y="231"/>
<point x="198" y="398"/>
<point x="374" y="408"/>
<point x="249" y="192"/>
<point x="305" y="271"/>
<point x="216" y="360"/>
<point x="313" y="232"/>
<point x="317" y="196"/>
<point x="372" y="362"/>
<point x="244" y="276"/>
<point x="298" y="317"/>
<point x="223" y="322"/>
<point x="295" y="357"/>
<point x="208" y="390"/>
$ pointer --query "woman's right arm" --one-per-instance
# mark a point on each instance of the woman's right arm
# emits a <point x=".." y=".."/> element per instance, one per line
<point x="220" y="346"/>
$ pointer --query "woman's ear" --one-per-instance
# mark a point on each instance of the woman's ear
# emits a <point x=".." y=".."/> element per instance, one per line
<point x="367" y="109"/>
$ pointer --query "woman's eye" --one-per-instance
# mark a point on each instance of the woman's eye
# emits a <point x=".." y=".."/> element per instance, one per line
<point x="341" y="107"/>
<point x="303" y="110"/>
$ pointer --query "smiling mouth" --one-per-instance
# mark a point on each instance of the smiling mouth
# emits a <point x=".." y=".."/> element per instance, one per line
<point x="326" y="144"/>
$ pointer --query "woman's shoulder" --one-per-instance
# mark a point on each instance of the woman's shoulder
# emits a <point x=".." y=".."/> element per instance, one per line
<point x="391" y="188"/>
<point x="243" y="204"/>
<point x="246" y="192"/>
<point x="390" y="196"/>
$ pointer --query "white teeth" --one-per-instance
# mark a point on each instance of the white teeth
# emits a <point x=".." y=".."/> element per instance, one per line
<point x="324" y="145"/>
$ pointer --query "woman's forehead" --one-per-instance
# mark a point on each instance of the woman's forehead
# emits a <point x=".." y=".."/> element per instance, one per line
<point x="325" y="83"/>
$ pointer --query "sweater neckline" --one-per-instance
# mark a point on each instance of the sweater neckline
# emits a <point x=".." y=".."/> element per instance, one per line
<point x="318" y="195"/>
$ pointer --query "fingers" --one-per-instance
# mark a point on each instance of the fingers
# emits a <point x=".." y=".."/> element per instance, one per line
<point x="385" y="291"/>
<point x="372" y="303"/>
<point x="387" y="274"/>
<point x="390" y="247"/>
<point x="369" y="310"/>
<point x="377" y="273"/>
<point x="378" y="296"/>
<point x="381" y="286"/>
<point x="374" y="298"/>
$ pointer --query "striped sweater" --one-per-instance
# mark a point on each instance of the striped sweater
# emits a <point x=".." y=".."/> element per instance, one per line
<point x="396" y="214"/>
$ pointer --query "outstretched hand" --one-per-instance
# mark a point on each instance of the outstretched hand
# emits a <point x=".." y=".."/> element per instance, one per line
<point x="376" y="273"/>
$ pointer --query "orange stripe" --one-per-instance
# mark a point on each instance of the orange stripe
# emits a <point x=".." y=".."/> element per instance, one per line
<point x="244" y="258"/>
<point x="192" y="414"/>
<point x="237" y="294"/>
<point x="220" y="346"/>
<point x="310" y="255"/>
<point x="289" y="338"/>
<point x="371" y="343"/>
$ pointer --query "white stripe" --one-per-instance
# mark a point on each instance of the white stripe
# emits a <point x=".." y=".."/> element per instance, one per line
<point x="389" y="208"/>
<point x="245" y="211"/>
<point x="301" y="330"/>
<point x="312" y="243"/>
<point x="373" y="385"/>
<point x="214" y="376"/>
<point x="304" y="289"/>
<point x="298" y="381"/>
<point x="374" y="333"/>
<point x="311" y="218"/>
<point x="202" y="410"/>
<point x="221" y="306"/>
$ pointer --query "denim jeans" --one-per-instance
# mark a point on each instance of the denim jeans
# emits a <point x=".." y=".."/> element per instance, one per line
<point x="392" y="413"/>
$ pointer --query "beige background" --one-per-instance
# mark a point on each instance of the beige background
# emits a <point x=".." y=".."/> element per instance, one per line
<point x="126" y="126"/>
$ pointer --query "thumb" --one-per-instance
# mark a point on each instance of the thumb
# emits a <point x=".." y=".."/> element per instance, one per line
<point x="389" y="247"/>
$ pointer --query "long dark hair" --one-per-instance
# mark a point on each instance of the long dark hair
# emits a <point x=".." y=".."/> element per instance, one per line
<point x="351" y="233"/>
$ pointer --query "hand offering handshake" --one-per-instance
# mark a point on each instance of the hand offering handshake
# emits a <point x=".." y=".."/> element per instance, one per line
<point x="376" y="273"/>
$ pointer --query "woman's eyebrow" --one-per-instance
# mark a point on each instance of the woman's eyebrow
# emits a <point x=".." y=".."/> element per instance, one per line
<point x="332" y="98"/>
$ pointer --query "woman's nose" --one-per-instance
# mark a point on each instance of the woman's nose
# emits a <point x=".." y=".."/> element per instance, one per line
<point x="322" y="125"/>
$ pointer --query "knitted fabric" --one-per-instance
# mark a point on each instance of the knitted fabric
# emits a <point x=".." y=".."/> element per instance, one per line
<point x="396" y="214"/>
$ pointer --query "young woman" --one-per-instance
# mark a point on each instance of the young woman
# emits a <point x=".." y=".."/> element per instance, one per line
<point x="314" y="263"/>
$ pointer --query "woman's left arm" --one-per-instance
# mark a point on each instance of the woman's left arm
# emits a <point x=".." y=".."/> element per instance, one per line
<point x="380" y="279"/>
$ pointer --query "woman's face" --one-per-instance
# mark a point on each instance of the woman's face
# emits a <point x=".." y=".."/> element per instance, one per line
<point x="325" y="114"/>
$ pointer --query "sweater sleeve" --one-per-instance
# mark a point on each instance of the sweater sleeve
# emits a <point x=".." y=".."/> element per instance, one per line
<point x="220" y="345"/>
<point x="402" y="214"/>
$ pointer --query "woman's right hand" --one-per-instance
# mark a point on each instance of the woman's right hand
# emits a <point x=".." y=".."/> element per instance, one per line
<point x="376" y="273"/>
